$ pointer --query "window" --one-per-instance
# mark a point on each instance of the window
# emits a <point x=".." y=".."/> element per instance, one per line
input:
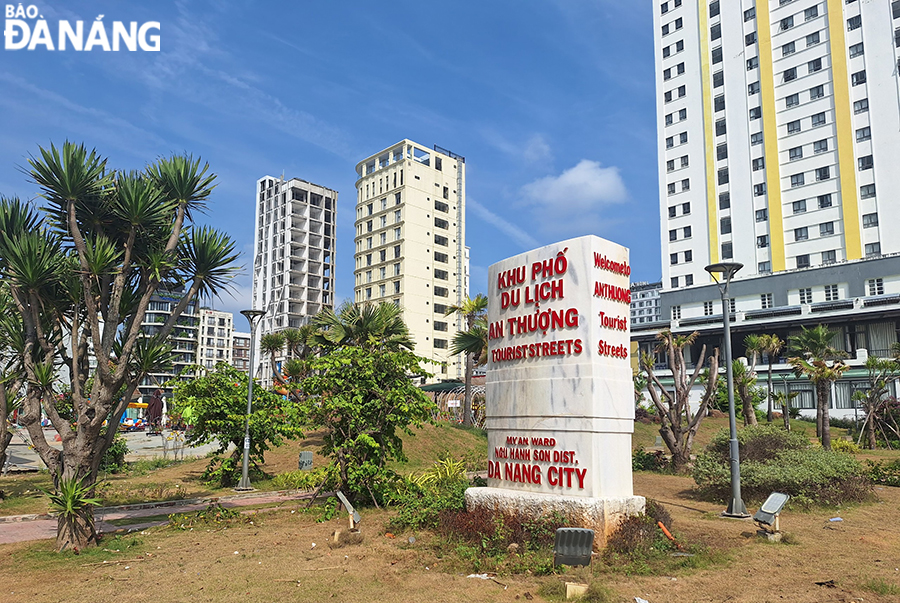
<point x="440" y="326"/>
<point x="820" y="146"/>
<point x="673" y="258"/>
<point x="818" y="119"/>
<point x="752" y="63"/>
<point x="685" y="161"/>
<point x="801" y="234"/>
<point x="682" y="90"/>
<point x="725" y="225"/>
<point x="811" y="13"/>
<point x="799" y="207"/>
<point x="762" y="215"/>
<point x="439" y="240"/>
<point x="439" y="223"/>
<point x="764" y="268"/>
<point x="440" y="343"/>
<point x="688" y="280"/>
<point x="814" y="65"/>
<point x="396" y="251"/>
<point x="717" y="55"/>
<point x="724" y="200"/>
<point x="797" y="180"/>
<point x="672" y="212"/>
<point x="723" y="176"/>
<point x="682" y="114"/>
<point x="714" y="8"/>
<point x="792" y="100"/>
<point x="440" y="308"/>
<point x="787" y="49"/>
<point x="679" y="45"/>
<point x="895" y="9"/>
<point x="867" y="191"/>
<point x="670" y="142"/>
<point x="683" y="138"/>
<point x="750" y="13"/>
<point x="858" y="78"/>
<point x="812" y="39"/>
<point x="667" y="75"/>
<point x="856" y="50"/>
<point x="727" y="251"/>
<point x="441" y="206"/>
<point x="861" y="106"/>
<point x="753" y="88"/>
<point x="750" y="38"/>
<point x="674" y="282"/>
<point x="870" y="220"/>
<point x="664" y="8"/>
<point x="665" y="29"/>
<point x="875" y="286"/>
<point x="707" y="308"/>
<point x="756" y="138"/>
<point x="441" y="274"/>
<point x="765" y="301"/>
<point x="685" y="210"/>
<point x="854" y="23"/>
<point x="795" y="153"/>
<point x="786" y="23"/>
<point x="863" y="134"/>
<point x="755" y="113"/>
<point x="803" y="261"/>
<point x="824" y="201"/>
<point x="806" y="295"/>
<point x="720" y="127"/>
<point x="396" y="234"/>
<point x="873" y="249"/>
<point x="762" y="241"/>
<point x="865" y="163"/>
<point x="793" y="126"/>
<point x="719" y="103"/>
<point x="823" y="173"/>
<point x="826" y="229"/>
<point x="831" y="293"/>
<point x="687" y="229"/>
<point x="676" y="310"/>
<point x="829" y="257"/>
<point x="718" y="79"/>
<point x="817" y="92"/>
<point x="715" y="32"/>
<point x="440" y="257"/>
<point x="688" y="256"/>
<point x="759" y="163"/>
<point x="759" y="189"/>
<point x="686" y="184"/>
<point x="441" y="291"/>
<point x="678" y="22"/>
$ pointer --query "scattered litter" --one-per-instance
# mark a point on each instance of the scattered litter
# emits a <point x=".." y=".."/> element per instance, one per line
<point x="827" y="583"/>
<point x="412" y="540"/>
<point x="389" y="535"/>
<point x="487" y="577"/>
<point x="292" y="512"/>
<point x="681" y="554"/>
<point x="428" y="568"/>
<point x="127" y="567"/>
<point x="639" y="600"/>
<point x="236" y="553"/>
<point x="836" y="519"/>
<point x="313" y="545"/>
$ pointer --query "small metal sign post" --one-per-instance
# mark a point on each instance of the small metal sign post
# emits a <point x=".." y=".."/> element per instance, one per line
<point x="354" y="516"/>
<point x="306" y="460"/>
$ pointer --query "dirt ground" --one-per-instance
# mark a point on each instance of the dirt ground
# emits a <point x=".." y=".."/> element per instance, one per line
<point x="274" y="559"/>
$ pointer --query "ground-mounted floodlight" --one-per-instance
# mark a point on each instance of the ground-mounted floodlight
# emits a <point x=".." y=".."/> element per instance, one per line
<point x="769" y="513"/>
<point x="722" y="273"/>
<point x="573" y="546"/>
<point x="253" y="317"/>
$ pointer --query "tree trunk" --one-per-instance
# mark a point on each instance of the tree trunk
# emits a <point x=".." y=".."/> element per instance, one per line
<point x="770" y="416"/>
<point x="5" y="439"/>
<point x="467" y="402"/>
<point x="76" y="532"/>
<point x="786" y="413"/>
<point x="818" y="412"/>
<point x="824" y="414"/>
<point x="870" y="429"/>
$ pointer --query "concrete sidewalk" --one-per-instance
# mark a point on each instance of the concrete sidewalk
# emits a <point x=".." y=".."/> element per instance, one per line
<point x="22" y="528"/>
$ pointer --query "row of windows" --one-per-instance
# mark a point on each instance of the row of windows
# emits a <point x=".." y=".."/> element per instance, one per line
<point x="686" y="233"/>
<point x="826" y="229"/>
<point x="382" y="290"/>
<point x="822" y="173"/>
<point x="670" y="118"/>
<point x="383" y="273"/>
<point x="688" y="256"/>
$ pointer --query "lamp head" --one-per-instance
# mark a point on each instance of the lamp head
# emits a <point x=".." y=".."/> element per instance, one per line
<point x="252" y="315"/>
<point x="724" y="270"/>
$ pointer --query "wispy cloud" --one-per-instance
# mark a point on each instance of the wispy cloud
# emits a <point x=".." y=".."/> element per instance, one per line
<point x="506" y="227"/>
<point x="533" y="150"/>
<point x="575" y="199"/>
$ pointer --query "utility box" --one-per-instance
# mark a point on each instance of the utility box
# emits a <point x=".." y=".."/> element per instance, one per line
<point x="573" y="546"/>
<point x="306" y="460"/>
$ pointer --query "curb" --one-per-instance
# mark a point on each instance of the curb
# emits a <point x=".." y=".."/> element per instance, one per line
<point x="184" y="502"/>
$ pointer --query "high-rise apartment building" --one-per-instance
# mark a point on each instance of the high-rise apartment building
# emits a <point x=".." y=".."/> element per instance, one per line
<point x="293" y="252"/>
<point x="645" y="302"/>
<point x="214" y="338"/>
<point x="410" y="243"/>
<point x="240" y="355"/>
<point x="778" y="126"/>
<point x="183" y="339"/>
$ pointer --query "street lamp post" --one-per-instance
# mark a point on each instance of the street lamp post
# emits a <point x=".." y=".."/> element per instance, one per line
<point x="253" y="317"/>
<point x="722" y="273"/>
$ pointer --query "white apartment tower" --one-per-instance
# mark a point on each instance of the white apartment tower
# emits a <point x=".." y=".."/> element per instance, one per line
<point x="293" y="252"/>
<point x="778" y="123"/>
<point x="214" y="338"/>
<point x="410" y="243"/>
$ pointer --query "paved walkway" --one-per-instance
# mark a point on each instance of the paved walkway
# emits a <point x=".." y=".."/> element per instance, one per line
<point x="22" y="528"/>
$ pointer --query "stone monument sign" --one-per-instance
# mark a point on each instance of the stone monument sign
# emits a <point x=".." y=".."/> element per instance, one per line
<point x="559" y="393"/>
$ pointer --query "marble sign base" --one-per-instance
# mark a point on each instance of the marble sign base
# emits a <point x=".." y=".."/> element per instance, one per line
<point x="599" y="514"/>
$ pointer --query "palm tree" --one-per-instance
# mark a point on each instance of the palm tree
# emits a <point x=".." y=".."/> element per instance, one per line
<point x="770" y="345"/>
<point x="84" y="270"/>
<point x="368" y="326"/>
<point x="822" y="364"/>
<point x="272" y="344"/>
<point x="471" y="309"/>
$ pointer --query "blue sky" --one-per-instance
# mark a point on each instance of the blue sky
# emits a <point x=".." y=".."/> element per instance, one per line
<point x="551" y="103"/>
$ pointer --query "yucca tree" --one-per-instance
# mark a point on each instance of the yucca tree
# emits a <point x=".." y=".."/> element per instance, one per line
<point x="875" y="399"/>
<point x="12" y="377"/>
<point x="272" y="344"/>
<point x="678" y="425"/>
<point x="815" y="357"/>
<point x="770" y="345"/>
<point x="367" y="326"/>
<point x="471" y="310"/>
<point x="82" y="272"/>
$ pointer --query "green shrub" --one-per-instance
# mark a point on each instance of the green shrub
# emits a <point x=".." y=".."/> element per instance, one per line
<point x="885" y="474"/>
<point x="420" y="506"/>
<point x="812" y="476"/>
<point x="114" y="457"/>
<point x="641" y="460"/>
<point x="215" y="515"/>
<point x="300" y="480"/>
<point x="845" y="446"/>
<point x="757" y="443"/>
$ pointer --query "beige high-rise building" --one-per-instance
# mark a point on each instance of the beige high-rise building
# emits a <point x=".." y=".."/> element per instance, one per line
<point x="410" y="243"/>
<point x="214" y="339"/>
